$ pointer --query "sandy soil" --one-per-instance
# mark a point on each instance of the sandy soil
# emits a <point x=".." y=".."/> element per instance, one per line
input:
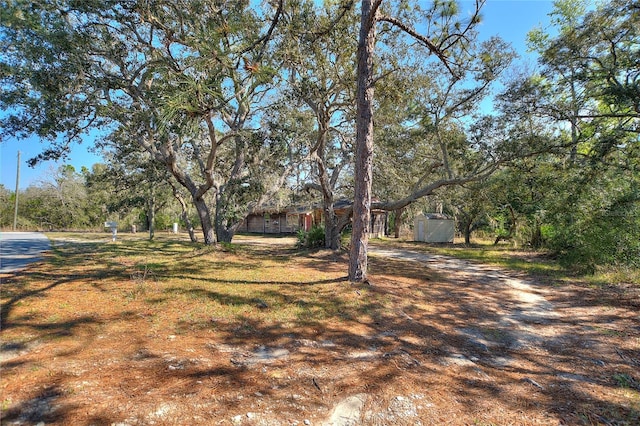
<point x="457" y="343"/>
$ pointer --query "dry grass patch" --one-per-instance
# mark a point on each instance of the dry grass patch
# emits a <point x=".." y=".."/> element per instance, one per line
<point x="165" y="332"/>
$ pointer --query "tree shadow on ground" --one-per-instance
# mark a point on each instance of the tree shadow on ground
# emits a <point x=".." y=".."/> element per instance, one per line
<point x="437" y="337"/>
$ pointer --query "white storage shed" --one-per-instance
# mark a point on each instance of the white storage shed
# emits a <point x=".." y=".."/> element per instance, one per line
<point x="433" y="228"/>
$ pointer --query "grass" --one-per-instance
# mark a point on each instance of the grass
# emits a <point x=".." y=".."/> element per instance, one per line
<point x="537" y="263"/>
<point x="606" y="276"/>
<point x="206" y="283"/>
<point x="168" y="321"/>
<point x="626" y="381"/>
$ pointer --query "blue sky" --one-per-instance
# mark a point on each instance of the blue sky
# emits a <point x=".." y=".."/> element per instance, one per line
<point x="509" y="19"/>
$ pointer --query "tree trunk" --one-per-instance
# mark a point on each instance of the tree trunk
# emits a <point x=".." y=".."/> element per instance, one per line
<point x="205" y="220"/>
<point x="364" y="146"/>
<point x="536" y="235"/>
<point x="226" y="231"/>
<point x="397" y="221"/>
<point x="224" y="234"/>
<point x="332" y="238"/>
<point x="512" y="228"/>
<point x="225" y="225"/>
<point x="190" y="229"/>
<point x="467" y="232"/>
<point x="185" y="213"/>
<point x="151" y="215"/>
<point x="331" y="232"/>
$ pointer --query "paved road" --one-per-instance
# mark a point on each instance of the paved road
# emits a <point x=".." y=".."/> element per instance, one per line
<point x="18" y="249"/>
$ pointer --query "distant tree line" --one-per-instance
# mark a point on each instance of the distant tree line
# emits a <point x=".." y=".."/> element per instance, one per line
<point x="68" y="200"/>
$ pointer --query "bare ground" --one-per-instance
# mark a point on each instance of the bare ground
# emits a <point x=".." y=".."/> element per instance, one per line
<point x="436" y="341"/>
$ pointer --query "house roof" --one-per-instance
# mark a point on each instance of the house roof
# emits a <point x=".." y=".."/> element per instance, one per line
<point x="341" y="204"/>
<point x="274" y="209"/>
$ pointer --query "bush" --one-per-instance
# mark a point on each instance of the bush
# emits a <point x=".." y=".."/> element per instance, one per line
<point x="609" y="238"/>
<point x="311" y="239"/>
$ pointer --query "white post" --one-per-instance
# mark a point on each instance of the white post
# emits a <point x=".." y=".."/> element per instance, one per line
<point x="114" y="229"/>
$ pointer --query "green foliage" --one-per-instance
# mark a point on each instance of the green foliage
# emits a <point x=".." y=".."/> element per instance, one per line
<point x="311" y="239"/>
<point x="581" y="198"/>
<point x="7" y="202"/>
<point x="606" y="235"/>
<point x="164" y="221"/>
<point x="161" y="76"/>
<point x="232" y="204"/>
<point x="186" y="83"/>
<point x="61" y="202"/>
<point x="624" y="380"/>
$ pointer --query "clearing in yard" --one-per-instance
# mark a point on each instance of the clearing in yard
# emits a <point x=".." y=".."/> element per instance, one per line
<point x="256" y="333"/>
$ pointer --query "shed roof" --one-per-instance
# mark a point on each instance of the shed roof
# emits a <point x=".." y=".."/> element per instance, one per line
<point x="437" y="216"/>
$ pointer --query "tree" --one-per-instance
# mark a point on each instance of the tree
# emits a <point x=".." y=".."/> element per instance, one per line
<point x="133" y="180"/>
<point x="471" y="204"/>
<point x="596" y="54"/>
<point x="424" y="133"/>
<point x="181" y="80"/>
<point x="568" y="96"/>
<point x="59" y="202"/>
<point x="589" y="74"/>
<point x="319" y="57"/>
<point x="7" y="200"/>
<point x="450" y="33"/>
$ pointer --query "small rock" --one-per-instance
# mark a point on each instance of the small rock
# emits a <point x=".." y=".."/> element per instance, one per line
<point x="347" y="412"/>
<point x="307" y="422"/>
<point x="251" y="415"/>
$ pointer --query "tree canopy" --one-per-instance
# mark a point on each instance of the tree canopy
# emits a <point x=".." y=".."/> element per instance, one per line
<point x="227" y="103"/>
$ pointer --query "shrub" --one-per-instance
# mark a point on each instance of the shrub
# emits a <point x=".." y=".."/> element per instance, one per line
<point x="312" y="238"/>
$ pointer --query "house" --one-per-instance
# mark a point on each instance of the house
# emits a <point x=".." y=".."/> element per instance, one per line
<point x="270" y="220"/>
<point x="291" y="219"/>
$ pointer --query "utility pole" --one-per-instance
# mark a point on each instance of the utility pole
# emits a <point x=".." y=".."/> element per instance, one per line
<point x="15" y="211"/>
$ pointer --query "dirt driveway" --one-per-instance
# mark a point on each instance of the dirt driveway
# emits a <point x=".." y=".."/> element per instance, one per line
<point x="525" y="317"/>
<point x="569" y="343"/>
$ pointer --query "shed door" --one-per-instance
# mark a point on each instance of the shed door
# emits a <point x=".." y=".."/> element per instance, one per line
<point x="421" y="230"/>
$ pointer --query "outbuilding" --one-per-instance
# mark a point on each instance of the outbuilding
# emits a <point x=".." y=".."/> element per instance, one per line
<point x="433" y="228"/>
